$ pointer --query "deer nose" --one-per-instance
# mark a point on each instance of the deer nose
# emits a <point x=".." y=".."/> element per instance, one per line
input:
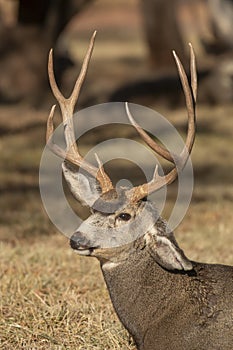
<point x="77" y="240"/>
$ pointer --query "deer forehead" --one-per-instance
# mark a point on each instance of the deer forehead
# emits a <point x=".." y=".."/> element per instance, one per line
<point x="108" y="216"/>
<point x="114" y="201"/>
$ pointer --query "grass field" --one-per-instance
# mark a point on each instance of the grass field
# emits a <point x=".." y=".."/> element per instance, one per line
<point x="50" y="297"/>
<point x="53" y="299"/>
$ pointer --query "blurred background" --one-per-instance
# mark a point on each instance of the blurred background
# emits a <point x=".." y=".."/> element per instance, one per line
<point x="132" y="62"/>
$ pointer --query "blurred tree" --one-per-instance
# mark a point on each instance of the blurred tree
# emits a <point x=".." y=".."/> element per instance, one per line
<point x="53" y="13"/>
<point x="221" y="12"/>
<point x="26" y="37"/>
<point x="162" y="31"/>
<point x="24" y="45"/>
<point x="208" y="24"/>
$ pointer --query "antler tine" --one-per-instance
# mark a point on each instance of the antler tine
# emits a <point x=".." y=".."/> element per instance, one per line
<point x="72" y="99"/>
<point x="190" y="93"/>
<point x="148" y="140"/>
<point x="49" y="133"/>
<point x="67" y="108"/>
<point x="193" y="71"/>
<point x="67" y="104"/>
<point x="50" y="128"/>
<point x="78" y="85"/>
<point x="53" y="84"/>
<point x="190" y="98"/>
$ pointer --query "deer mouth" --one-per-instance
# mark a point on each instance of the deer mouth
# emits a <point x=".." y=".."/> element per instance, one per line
<point x="83" y="250"/>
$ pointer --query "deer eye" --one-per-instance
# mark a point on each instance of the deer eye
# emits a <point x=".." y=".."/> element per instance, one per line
<point x="124" y="216"/>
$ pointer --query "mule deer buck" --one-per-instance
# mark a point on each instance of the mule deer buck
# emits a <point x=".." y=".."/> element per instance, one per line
<point x="163" y="299"/>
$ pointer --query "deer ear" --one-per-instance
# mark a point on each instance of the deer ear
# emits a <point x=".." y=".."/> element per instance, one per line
<point x="167" y="254"/>
<point x="84" y="188"/>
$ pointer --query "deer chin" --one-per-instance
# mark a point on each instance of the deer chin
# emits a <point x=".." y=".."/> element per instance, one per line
<point x="84" y="251"/>
<point x="111" y="254"/>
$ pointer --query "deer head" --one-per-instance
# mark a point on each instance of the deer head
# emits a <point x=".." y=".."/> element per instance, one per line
<point x="122" y="220"/>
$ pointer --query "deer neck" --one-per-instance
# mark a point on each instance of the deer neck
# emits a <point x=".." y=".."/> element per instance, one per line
<point x="140" y="286"/>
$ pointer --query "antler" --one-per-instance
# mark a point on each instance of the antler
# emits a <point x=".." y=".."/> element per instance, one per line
<point x="67" y="109"/>
<point x="190" y="92"/>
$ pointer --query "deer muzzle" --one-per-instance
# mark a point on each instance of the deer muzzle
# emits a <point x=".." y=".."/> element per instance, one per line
<point x="81" y="244"/>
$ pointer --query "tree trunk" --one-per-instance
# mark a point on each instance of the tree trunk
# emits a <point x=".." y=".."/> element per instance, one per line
<point x="162" y="32"/>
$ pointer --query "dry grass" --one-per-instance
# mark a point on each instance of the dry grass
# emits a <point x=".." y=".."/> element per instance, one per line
<point x="53" y="299"/>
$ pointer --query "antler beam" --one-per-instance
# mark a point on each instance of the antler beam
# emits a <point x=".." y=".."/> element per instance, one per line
<point x="190" y="93"/>
<point x="67" y="110"/>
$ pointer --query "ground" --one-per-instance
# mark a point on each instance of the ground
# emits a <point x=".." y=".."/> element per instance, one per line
<point x="50" y="297"/>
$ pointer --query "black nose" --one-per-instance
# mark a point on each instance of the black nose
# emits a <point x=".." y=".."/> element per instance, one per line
<point x="77" y="240"/>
